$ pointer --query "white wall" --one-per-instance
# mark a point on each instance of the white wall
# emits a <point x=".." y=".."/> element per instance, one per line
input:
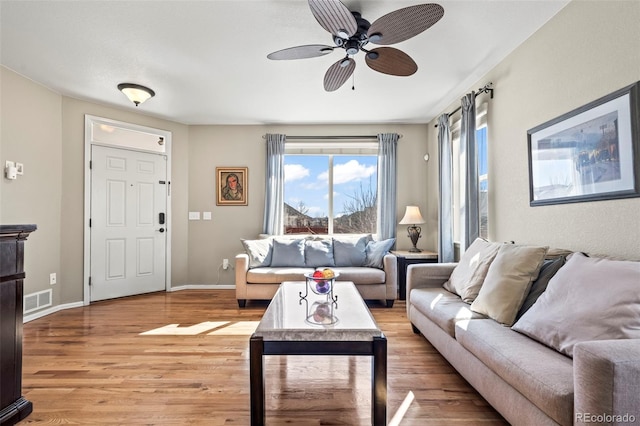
<point x="243" y="146"/>
<point x="72" y="190"/>
<point x="45" y="131"/>
<point x="31" y="134"/>
<point x="588" y="50"/>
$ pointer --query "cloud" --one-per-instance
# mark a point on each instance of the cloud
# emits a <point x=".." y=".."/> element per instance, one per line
<point x="350" y="171"/>
<point x="295" y="172"/>
<point x="315" y="211"/>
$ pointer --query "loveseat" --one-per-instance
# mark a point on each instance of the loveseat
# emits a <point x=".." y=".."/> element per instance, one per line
<point x="545" y="337"/>
<point x="271" y="260"/>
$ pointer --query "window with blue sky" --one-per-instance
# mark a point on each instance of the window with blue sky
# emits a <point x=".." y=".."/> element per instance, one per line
<point x="330" y="193"/>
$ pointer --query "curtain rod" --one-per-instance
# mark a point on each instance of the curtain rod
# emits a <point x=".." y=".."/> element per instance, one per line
<point x="374" y="137"/>
<point x="486" y="89"/>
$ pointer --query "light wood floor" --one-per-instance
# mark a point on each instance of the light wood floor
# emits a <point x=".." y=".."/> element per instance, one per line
<point x="182" y="358"/>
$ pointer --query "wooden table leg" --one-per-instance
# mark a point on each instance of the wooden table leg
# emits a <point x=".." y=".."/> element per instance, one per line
<point x="256" y="378"/>
<point x="379" y="385"/>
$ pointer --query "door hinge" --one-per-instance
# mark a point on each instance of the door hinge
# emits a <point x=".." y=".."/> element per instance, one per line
<point x="89" y="281"/>
<point x="90" y="164"/>
<point x="89" y="223"/>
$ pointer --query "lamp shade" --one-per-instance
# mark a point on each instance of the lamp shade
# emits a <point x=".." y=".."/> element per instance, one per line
<point x="412" y="216"/>
<point x="135" y="92"/>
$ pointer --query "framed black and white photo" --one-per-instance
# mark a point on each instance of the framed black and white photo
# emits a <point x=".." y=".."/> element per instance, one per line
<point x="591" y="153"/>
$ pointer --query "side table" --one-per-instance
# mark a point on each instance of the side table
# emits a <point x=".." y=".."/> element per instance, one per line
<point x="406" y="258"/>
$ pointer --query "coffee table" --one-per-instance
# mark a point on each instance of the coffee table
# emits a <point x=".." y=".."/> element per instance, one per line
<point x="318" y="325"/>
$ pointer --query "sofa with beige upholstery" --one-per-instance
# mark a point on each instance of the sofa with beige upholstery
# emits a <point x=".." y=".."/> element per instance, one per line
<point x="267" y="262"/>
<point x="546" y="339"/>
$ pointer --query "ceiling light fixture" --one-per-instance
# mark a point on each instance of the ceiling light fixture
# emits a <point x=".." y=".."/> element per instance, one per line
<point x="136" y="93"/>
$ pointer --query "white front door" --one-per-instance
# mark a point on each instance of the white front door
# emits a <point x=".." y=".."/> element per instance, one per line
<point x="128" y="222"/>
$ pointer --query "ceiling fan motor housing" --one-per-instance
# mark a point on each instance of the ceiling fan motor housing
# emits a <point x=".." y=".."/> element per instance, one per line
<point x="354" y="43"/>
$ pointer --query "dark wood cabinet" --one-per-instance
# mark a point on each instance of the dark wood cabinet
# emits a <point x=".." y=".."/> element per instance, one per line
<point x="13" y="406"/>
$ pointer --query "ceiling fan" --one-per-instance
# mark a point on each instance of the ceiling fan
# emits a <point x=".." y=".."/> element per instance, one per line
<point x="352" y="33"/>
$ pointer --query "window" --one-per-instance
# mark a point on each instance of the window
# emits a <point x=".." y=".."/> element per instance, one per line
<point x="330" y="193"/>
<point x="482" y="146"/>
<point x="483" y="180"/>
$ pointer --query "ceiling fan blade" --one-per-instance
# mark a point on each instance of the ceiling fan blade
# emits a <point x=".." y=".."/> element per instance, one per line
<point x="405" y="23"/>
<point x="334" y="17"/>
<point x="389" y="60"/>
<point x="301" y="52"/>
<point x="338" y="73"/>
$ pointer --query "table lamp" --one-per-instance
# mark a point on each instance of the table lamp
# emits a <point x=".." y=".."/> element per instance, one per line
<point x="412" y="217"/>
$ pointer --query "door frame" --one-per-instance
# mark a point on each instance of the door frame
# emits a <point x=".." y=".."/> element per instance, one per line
<point x="143" y="134"/>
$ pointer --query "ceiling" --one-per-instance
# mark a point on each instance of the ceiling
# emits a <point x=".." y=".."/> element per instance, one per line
<point x="207" y="59"/>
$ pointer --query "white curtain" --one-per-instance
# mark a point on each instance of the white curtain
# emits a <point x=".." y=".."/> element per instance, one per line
<point x="446" y="251"/>
<point x="387" y="171"/>
<point x="471" y="212"/>
<point x="274" y="190"/>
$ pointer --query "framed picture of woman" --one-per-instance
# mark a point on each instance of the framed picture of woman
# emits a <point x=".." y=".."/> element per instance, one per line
<point x="231" y="184"/>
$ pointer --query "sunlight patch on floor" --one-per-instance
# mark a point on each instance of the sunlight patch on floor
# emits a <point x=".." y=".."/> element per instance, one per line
<point x="212" y="328"/>
<point x="402" y="410"/>
<point x="238" y="328"/>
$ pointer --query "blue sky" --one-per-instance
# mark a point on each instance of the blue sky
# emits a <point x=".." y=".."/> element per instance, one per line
<point x="306" y="180"/>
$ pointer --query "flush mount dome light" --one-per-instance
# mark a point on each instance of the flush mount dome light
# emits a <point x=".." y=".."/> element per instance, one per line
<point x="136" y="93"/>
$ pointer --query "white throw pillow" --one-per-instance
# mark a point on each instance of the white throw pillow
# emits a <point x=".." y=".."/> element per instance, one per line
<point x="508" y="281"/>
<point x="259" y="252"/>
<point x="468" y="276"/>
<point x="587" y="299"/>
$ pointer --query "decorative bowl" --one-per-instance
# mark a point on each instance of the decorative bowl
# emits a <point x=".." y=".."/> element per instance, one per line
<point x="321" y="285"/>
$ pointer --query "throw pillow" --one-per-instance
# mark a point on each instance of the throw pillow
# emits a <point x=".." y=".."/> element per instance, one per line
<point x="288" y="253"/>
<point x="548" y="270"/>
<point x="375" y="252"/>
<point x="587" y="299"/>
<point x="259" y="252"/>
<point x="318" y="253"/>
<point x="508" y="281"/>
<point x="350" y="252"/>
<point x="468" y="276"/>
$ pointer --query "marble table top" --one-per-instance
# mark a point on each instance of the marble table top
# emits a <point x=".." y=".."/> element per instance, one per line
<point x="317" y="318"/>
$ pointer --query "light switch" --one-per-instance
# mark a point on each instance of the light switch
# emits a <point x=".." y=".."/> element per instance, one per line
<point x="206" y="215"/>
<point x="194" y="215"/>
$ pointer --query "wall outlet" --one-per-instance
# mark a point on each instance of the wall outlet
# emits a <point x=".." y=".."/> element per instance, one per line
<point x="52" y="278"/>
<point x="225" y="263"/>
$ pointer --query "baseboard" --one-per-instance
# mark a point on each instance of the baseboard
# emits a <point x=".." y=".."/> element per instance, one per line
<point x="58" y="308"/>
<point x="52" y="310"/>
<point x="204" y="287"/>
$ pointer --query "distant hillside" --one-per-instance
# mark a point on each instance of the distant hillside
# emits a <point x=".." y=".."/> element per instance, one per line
<point x="296" y="222"/>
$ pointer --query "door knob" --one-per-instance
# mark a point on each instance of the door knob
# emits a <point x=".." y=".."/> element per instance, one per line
<point x="161" y="229"/>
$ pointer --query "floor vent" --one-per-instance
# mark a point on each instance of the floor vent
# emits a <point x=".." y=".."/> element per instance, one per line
<point x="39" y="300"/>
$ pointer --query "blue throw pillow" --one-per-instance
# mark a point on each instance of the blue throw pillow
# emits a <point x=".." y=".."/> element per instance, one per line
<point x="288" y="253"/>
<point x="350" y="252"/>
<point x="318" y="253"/>
<point x="376" y="250"/>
